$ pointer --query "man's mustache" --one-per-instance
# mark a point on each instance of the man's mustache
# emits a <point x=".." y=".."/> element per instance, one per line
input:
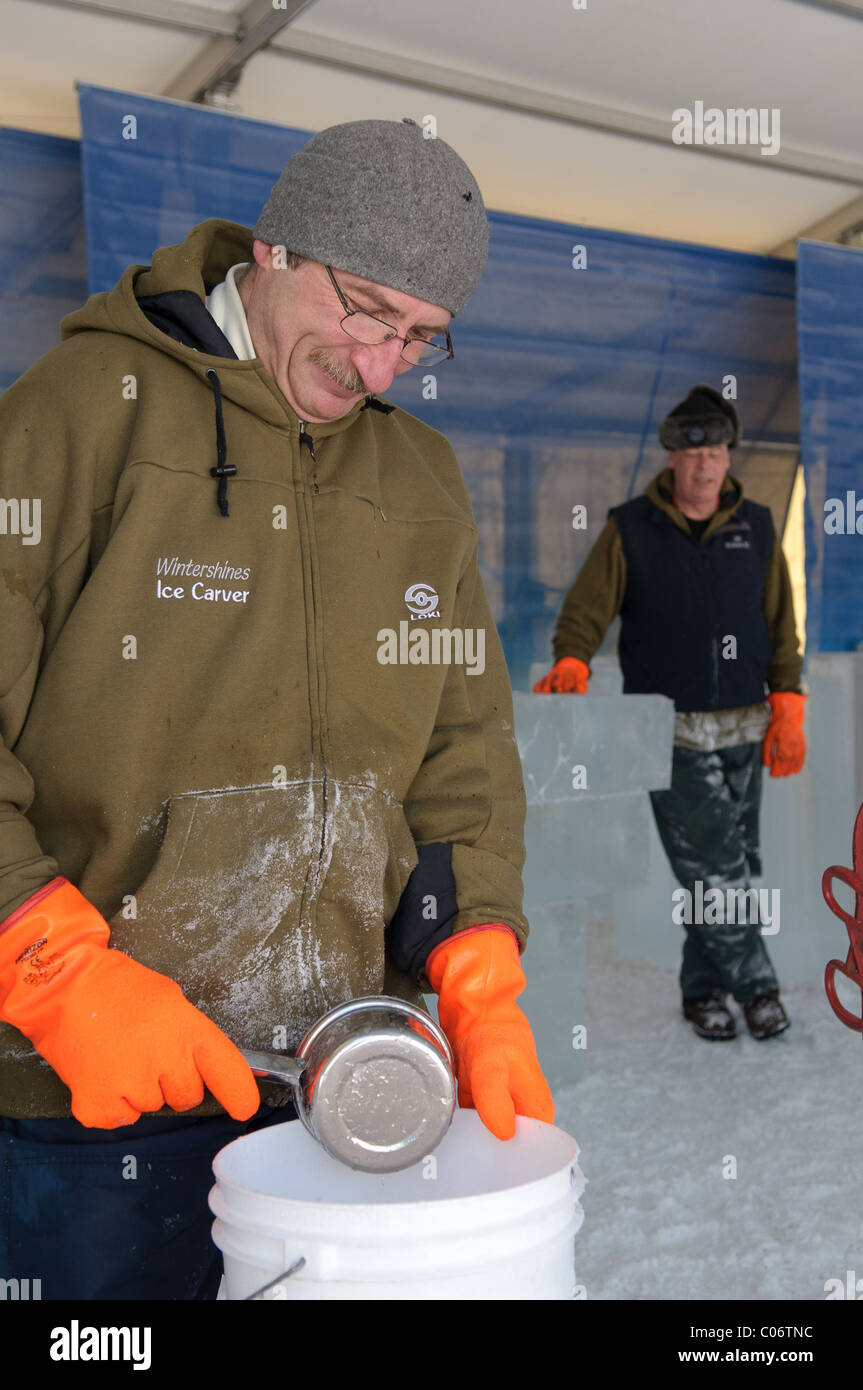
<point x="345" y="376"/>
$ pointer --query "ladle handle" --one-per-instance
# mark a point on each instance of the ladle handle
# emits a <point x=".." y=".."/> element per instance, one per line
<point x="272" y="1066"/>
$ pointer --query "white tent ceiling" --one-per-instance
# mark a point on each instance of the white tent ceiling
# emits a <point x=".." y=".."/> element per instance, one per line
<point x="562" y="112"/>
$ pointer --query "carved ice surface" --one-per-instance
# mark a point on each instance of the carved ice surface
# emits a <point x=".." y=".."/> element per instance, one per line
<point x="588" y="761"/>
<point x="577" y="746"/>
<point x="555" y="965"/>
<point x="590" y="837"/>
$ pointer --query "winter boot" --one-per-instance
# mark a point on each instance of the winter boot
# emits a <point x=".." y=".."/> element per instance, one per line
<point x="766" y="1016"/>
<point x="710" y="1018"/>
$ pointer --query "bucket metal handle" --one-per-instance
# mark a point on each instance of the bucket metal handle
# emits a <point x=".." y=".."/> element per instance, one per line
<point x="286" y="1274"/>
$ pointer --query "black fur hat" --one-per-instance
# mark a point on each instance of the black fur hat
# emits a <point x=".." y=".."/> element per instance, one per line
<point x="702" y="420"/>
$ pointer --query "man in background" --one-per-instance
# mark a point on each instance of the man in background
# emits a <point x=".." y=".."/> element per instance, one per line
<point x="697" y="574"/>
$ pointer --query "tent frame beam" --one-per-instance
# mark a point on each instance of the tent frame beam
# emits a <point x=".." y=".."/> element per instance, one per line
<point x="432" y="77"/>
<point x="219" y="65"/>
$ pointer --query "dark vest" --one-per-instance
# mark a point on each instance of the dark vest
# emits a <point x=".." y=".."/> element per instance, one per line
<point x="684" y="600"/>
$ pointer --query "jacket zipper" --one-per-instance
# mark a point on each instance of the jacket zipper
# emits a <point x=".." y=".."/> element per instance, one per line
<point x="714" y="641"/>
<point x="321" y="1003"/>
<point x="310" y="444"/>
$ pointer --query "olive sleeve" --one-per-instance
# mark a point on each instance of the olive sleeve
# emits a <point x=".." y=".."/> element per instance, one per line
<point x="46" y="468"/>
<point x="786" y="663"/>
<point x="466" y="805"/>
<point x="594" y="600"/>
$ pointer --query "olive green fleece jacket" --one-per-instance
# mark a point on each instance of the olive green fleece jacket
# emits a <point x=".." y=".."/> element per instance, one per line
<point x="199" y="726"/>
<point x="596" y="596"/>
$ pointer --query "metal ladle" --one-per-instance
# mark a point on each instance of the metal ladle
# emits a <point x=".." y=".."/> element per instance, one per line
<point x="372" y="1080"/>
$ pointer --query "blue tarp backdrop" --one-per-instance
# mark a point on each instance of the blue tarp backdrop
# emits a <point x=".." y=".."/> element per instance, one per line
<point x="575" y="345"/>
<point x="830" y="335"/>
<point x="43" y="256"/>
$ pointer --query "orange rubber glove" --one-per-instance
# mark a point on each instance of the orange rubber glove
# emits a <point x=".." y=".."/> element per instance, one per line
<point x="784" y="746"/>
<point x="123" y="1038"/>
<point x="477" y="975"/>
<point x="569" y="676"/>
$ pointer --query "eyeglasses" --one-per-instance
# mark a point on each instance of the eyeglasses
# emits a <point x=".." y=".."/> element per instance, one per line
<point x="365" y="328"/>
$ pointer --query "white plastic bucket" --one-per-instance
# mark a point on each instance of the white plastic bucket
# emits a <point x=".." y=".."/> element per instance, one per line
<point x="480" y="1218"/>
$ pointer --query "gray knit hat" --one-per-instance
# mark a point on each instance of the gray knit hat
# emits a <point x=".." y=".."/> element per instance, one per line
<point x="380" y="200"/>
<point x="704" y="419"/>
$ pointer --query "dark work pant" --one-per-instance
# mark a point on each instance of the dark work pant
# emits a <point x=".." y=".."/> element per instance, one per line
<point x="114" y="1213"/>
<point x="708" y="824"/>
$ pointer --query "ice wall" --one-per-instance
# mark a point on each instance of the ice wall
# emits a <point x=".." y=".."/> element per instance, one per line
<point x="806" y="824"/>
<point x="588" y="762"/>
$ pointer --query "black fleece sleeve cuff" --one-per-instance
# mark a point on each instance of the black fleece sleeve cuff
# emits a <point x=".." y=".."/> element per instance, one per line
<point x="426" y="912"/>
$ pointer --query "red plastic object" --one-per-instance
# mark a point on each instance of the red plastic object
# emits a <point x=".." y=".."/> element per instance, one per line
<point x="852" y="966"/>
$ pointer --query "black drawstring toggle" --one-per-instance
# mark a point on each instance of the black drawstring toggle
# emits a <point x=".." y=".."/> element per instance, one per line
<point x="223" y="471"/>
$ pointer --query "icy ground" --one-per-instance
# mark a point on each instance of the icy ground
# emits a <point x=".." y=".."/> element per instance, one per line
<point x="661" y="1109"/>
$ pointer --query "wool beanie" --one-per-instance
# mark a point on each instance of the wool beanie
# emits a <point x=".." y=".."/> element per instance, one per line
<point x="702" y="420"/>
<point x="380" y="200"/>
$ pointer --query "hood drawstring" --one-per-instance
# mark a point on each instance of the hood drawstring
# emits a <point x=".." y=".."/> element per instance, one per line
<point x="372" y="403"/>
<point x="223" y="471"/>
